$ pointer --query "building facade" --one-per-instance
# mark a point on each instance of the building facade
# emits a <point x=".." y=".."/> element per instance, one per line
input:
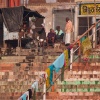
<point x="86" y="13"/>
<point x="55" y="12"/>
<point x="10" y="3"/>
<point x="81" y="13"/>
<point x="4" y="3"/>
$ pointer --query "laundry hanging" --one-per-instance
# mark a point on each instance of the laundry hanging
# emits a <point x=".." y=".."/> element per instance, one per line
<point x="59" y="62"/>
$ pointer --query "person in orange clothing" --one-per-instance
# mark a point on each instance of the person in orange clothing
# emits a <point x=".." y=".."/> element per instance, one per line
<point x="68" y="31"/>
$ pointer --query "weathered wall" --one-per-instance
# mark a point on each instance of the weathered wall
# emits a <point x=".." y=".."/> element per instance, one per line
<point x="46" y="10"/>
<point x="3" y="3"/>
<point x="87" y="0"/>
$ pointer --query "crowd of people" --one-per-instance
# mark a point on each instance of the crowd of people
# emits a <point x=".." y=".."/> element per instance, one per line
<point x="52" y="36"/>
<point x="57" y="35"/>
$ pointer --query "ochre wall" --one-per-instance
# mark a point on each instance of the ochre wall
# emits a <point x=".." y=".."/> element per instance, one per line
<point x="87" y="0"/>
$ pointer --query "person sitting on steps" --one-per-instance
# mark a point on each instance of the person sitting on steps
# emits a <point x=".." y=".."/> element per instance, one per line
<point x="59" y="34"/>
<point x="51" y="37"/>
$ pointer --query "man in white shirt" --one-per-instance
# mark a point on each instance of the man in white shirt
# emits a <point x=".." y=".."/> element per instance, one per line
<point x="68" y="31"/>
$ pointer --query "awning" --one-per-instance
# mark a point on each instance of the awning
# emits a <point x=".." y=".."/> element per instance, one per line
<point x="13" y="17"/>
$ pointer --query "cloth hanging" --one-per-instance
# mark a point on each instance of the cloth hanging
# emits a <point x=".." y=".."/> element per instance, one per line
<point x="86" y="46"/>
<point x="59" y="62"/>
<point x="35" y="85"/>
<point x="42" y="73"/>
<point x="66" y="58"/>
<point x="30" y="93"/>
<point x="51" y="73"/>
<point x="23" y="97"/>
<point x="27" y="93"/>
<point x="67" y="38"/>
<point x="48" y="77"/>
<point x="19" y="98"/>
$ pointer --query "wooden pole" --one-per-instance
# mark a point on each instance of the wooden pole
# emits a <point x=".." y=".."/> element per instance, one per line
<point x="62" y="75"/>
<point x="34" y="95"/>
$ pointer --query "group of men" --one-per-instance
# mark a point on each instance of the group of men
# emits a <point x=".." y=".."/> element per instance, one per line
<point x="58" y="34"/>
<point x="53" y="35"/>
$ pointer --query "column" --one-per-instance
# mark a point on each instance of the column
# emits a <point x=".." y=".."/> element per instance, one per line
<point x="76" y="22"/>
<point x="94" y="33"/>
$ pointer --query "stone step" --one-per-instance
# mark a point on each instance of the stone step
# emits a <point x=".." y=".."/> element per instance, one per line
<point x="12" y="59"/>
<point x="6" y="66"/>
<point x="86" y="66"/>
<point x="54" y="96"/>
<point x="70" y="96"/>
<point x="10" y="96"/>
<point x="78" y="86"/>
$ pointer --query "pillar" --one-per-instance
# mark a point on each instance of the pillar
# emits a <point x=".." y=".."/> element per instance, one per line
<point x="76" y="22"/>
<point x="94" y="33"/>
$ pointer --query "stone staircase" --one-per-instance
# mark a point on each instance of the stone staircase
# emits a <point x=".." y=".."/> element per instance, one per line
<point x="92" y="62"/>
<point x="71" y="96"/>
<point x="17" y="73"/>
<point x="80" y="83"/>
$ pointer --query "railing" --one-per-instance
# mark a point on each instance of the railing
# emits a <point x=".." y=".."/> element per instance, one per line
<point x="84" y="34"/>
<point x="72" y="54"/>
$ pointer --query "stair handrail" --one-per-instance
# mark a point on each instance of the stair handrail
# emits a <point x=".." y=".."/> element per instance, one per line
<point x="86" y="32"/>
<point x="93" y="25"/>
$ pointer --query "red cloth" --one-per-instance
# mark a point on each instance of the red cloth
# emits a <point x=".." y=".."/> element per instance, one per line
<point x="70" y="46"/>
<point x="14" y="3"/>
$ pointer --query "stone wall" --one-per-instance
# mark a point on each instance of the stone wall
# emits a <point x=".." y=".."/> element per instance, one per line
<point x="47" y="11"/>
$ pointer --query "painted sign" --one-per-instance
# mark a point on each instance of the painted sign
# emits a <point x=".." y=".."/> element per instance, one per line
<point x="89" y="9"/>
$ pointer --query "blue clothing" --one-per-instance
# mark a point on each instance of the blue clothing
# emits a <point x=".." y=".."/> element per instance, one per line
<point x="59" y="62"/>
<point x="59" y="32"/>
<point x="51" y="67"/>
<point x="23" y="97"/>
<point x="35" y="85"/>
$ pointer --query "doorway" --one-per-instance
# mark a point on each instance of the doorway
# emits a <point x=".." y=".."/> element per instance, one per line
<point x="84" y="24"/>
<point x="60" y="17"/>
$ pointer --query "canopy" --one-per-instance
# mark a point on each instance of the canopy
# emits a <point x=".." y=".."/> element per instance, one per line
<point x="13" y="17"/>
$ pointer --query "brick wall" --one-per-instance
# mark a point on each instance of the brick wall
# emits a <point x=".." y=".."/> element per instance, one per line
<point x="3" y="3"/>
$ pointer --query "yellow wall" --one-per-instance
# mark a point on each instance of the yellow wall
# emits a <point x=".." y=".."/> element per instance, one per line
<point x="87" y="0"/>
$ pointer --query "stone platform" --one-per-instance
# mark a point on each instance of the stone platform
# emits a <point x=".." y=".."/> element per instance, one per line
<point x="18" y="72"/>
